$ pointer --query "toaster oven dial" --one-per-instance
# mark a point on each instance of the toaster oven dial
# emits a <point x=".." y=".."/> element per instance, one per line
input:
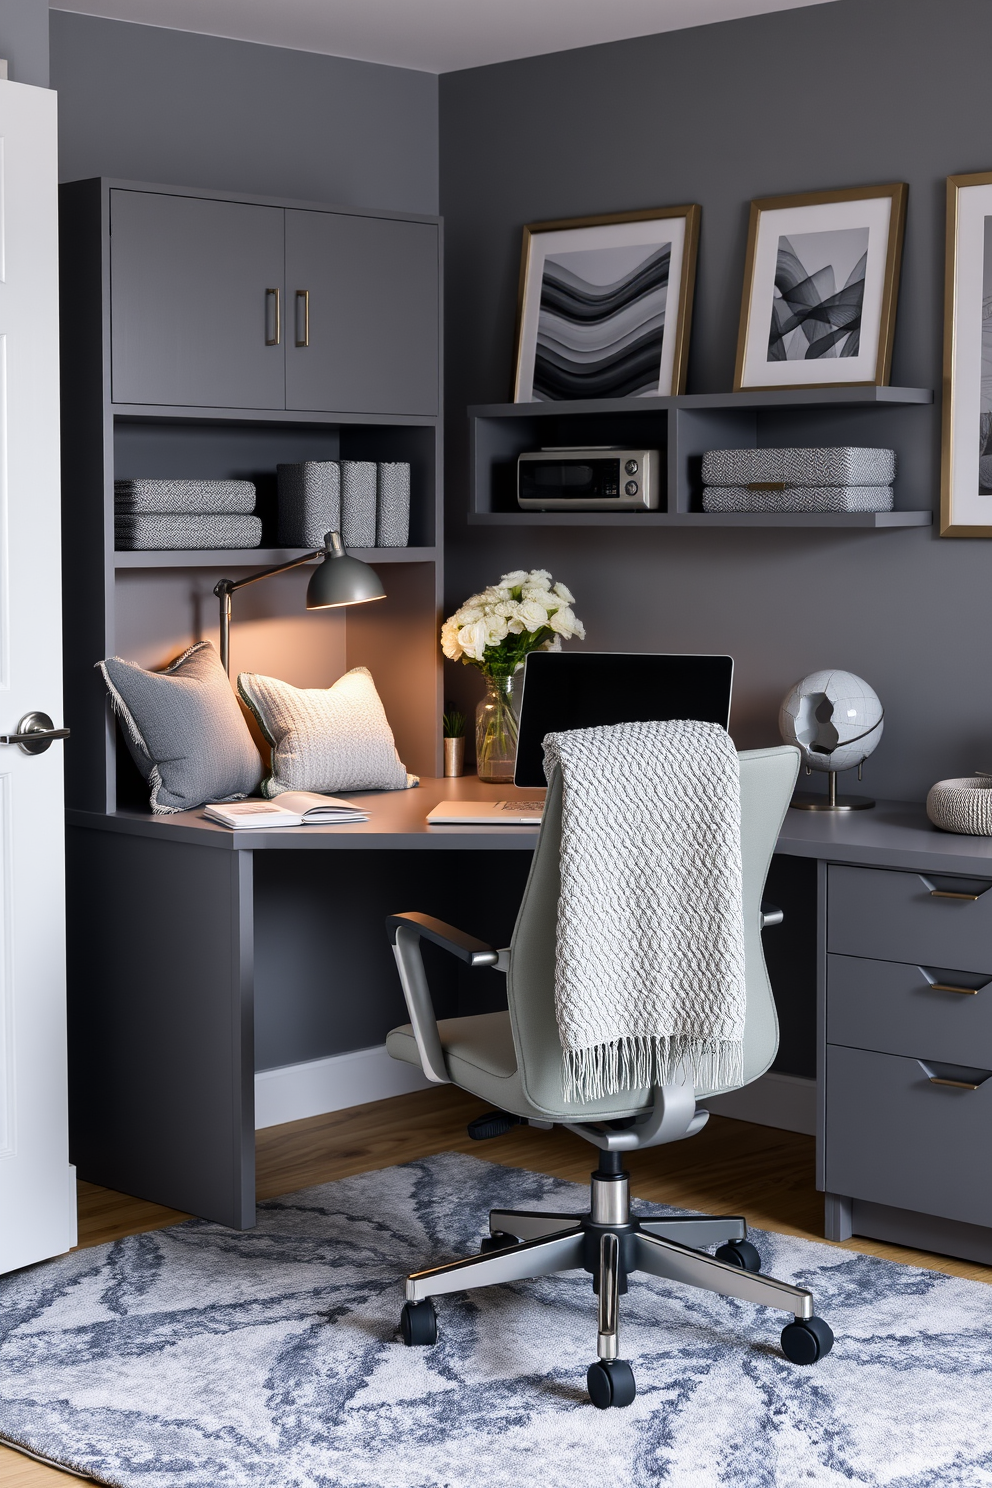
<point x="631" y="487"/>
<point x="631" y="469"/>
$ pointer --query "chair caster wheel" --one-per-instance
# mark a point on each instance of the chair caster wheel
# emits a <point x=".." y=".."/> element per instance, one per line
<point x="806" y="1341"/>
<point x="418" y="1321"/>
<point x="499" y="1241"/>
<point x="610" y="1382"/>
<point x="740" y="1253"/>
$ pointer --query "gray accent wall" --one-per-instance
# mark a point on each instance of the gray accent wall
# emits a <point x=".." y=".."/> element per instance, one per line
<point x="24" y="40"/>
<point x="150" y="104"/>
<point x="841" y="94"/>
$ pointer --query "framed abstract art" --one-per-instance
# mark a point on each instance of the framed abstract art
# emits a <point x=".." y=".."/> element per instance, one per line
<point x="966" y="463"/>
<point x="821" y="281"/>
<point x="605" y="304"/>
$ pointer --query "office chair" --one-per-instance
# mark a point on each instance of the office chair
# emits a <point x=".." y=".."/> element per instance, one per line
<point x="514" y="1060"/>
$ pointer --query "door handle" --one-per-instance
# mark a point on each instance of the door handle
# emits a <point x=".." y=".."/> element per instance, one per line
<point x="276" y="336"/>
<point x="35" y="733"/>
<point x="304" y="295"/>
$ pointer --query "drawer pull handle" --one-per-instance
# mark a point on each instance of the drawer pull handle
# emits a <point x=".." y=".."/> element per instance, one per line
<point x="957" y="1084"/>
<point x="303" y="304"/>
<point x="953" y="894"/>
<point x="946" y="987"/>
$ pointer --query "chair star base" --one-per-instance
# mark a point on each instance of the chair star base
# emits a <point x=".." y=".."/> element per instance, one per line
<point x="610" y="1244"/>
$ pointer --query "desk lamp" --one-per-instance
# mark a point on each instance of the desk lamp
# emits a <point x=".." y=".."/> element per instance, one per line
<point x="339" y="580"/>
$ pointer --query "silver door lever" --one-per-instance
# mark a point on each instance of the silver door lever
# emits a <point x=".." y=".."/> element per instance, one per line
<point x="35" y="733"/>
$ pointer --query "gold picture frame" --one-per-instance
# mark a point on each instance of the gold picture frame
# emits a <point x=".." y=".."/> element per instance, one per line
<point x="856" y="231"/>
<point x="564" y="365"/>
<point x="966" y="342"/>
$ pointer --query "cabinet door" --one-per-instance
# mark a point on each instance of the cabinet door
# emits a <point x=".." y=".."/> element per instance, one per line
<point x="369" y="288"/>
<point x="193" y="296"/>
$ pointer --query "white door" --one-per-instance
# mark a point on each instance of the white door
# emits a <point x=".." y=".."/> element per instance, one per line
<point x="37" y="1190"/>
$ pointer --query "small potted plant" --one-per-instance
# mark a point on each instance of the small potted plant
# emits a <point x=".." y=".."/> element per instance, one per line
<point x="453" y="723"/>
<point x="494" y="631"/>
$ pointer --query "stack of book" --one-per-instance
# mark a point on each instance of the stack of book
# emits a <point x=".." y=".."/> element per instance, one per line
<point x="185" y="514"/>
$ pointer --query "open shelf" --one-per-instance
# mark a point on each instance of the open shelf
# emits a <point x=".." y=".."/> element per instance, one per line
<point x="703" y="519"/>
<point x="682" y="429"/>
<point x="257" y="557"/>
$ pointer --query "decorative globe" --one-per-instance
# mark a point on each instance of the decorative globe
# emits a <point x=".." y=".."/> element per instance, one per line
<point x="834" y="717"/>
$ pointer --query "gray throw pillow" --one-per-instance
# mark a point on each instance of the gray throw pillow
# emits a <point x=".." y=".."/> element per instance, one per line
<point x="325" y="739"/>
<point x="184" y="729"/>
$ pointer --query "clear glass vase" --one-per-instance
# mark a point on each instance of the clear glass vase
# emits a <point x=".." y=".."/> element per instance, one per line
<point x="496" y="732"/>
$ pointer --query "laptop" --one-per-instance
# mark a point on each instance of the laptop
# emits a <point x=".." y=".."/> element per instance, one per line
<point x="586" y="689"/>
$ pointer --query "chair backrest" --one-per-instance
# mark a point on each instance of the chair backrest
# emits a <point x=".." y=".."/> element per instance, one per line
<point x="767" y="779"/>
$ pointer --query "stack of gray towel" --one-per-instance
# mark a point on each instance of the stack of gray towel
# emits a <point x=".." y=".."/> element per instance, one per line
<point x="184" y="514"/>
<point x="367" y="502"/>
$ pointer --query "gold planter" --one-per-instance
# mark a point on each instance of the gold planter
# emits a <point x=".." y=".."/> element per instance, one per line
<point x="454" y="757"/>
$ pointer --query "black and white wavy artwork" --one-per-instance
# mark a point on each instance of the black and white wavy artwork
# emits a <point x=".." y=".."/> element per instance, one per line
<point x="813" y="318"/>
<point x="601" y="324"/>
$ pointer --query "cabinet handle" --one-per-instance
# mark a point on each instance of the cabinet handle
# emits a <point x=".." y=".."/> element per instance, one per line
<point x="946" y="987"/>
<point x="953" y="894"/>
<point x="304" y="295"/>
<point x="274" y="339"/>
<point x="957" y="1084"/>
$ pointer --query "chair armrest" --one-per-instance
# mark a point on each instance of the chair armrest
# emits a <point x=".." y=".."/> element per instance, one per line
<point x="770" y="915"/>
<point x="465" y="947"/>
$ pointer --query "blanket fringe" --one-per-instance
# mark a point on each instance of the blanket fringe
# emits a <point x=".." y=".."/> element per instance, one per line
<point x="638" y="1063"/>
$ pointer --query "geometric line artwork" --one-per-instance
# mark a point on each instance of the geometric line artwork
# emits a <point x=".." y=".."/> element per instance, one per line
<point x="811" y="317"/>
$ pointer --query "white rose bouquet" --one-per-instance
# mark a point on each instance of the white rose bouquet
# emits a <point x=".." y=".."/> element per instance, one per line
<point x="494" y="631"/>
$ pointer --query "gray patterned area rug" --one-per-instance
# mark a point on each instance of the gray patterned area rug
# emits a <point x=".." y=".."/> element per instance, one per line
<point x="197" y="1357"/>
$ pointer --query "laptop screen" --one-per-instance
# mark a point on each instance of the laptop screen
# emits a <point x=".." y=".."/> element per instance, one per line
<point x="584" y="689"/>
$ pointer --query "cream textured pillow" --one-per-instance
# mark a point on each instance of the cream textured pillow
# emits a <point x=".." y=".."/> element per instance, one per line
<point x="325" y="739"/>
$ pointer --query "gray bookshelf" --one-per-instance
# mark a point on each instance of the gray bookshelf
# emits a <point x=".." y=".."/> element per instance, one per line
<point x="683" y="428"/>
<point x="169" y="370"/>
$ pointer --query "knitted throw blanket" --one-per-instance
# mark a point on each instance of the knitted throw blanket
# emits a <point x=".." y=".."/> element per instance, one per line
<point x="649" y="981"/>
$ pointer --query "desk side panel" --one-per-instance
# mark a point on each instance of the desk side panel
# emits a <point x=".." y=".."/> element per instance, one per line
<point x="161" y="1022"/>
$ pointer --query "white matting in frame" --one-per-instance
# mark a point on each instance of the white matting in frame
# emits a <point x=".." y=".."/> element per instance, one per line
<point x="605" y="306"/>
<point x="966" y="470"/>
<point x="820" y="289"/>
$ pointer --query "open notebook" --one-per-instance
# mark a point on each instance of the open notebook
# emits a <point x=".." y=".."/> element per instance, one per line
<point x="291" y="809"/>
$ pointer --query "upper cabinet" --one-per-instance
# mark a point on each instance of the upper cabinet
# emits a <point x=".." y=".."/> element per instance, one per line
<point x="363" y="318"/>
<point x="226" y="304"/>
<point x="192" y="284"/>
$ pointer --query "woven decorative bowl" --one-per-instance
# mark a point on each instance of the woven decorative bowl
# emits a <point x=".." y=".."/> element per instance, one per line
<point x="962" y="805"/>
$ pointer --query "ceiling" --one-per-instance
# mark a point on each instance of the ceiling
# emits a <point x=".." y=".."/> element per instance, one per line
<point x="429" y="35"/>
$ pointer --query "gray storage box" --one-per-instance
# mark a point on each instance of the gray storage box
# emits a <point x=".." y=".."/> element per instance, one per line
<point x="798" y="499"/>
<point x="392" y="529"/>
<point x="358" y="493"/>
<point x="175" y="531"/>
<point x="195" y="497"/>
<point x="843" y="465"/>
<point x="309" y="502"/>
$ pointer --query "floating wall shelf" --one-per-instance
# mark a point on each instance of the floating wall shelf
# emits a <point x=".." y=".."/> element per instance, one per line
<point x="683" y="428"/>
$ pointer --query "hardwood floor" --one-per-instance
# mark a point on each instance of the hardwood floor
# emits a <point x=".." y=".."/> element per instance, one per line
<point x="732" y="1167"/>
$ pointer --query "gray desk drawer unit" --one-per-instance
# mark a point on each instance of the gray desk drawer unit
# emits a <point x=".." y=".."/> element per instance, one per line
<point x="906" y="1153"/>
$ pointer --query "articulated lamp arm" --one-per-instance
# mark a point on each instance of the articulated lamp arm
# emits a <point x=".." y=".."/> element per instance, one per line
<point x="342" y="582"/>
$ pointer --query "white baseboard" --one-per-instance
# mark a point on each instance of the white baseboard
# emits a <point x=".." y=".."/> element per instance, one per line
<point x="296" y="1091"/>
<point x="785" y="1101"/>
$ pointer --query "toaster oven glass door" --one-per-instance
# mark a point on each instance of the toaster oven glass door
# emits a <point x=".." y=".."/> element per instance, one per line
<point x="546" y="480"/>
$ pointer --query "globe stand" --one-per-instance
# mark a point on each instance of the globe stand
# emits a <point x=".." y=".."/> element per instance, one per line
<point x="813" y="801"/>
